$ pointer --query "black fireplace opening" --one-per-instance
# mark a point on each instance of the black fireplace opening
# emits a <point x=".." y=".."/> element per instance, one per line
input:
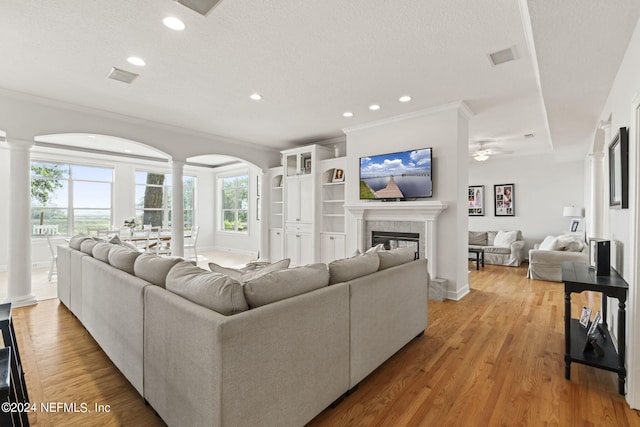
<point x="393" y="240"/>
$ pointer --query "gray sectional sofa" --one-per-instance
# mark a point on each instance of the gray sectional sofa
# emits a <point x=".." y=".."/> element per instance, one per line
<point x="278" y="349"/>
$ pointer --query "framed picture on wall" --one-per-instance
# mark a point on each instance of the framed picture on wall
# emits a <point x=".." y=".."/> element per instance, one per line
<point x="619" y="170"/>
<point x="476" y="200"/>
<point x="503" y="195"/>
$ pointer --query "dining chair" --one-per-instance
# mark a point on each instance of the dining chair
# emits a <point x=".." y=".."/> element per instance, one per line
<point x="140" y="238"/>
<point x="163" y="242"/>
<point x="190" y="243"/>
<point x="52" y="267"/>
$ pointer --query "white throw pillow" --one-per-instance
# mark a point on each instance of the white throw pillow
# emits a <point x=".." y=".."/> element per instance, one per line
<point x="548" y="244"/>
<point x="504" y="239"/>
<point x="568" y="242"/>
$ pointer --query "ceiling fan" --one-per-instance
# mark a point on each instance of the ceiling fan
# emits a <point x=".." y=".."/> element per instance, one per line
<point x="485" y="148"/>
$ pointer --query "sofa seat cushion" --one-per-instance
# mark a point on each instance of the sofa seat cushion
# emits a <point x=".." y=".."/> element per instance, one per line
<point x="282" y="284"/>
<point x="477" y="238"/>
<point x="154" y="268"/>
<point x="497" y="250"/>
<point x="395" y="257"/>
<point x="343" y="270"/>
<point x="477" y="246"/>
<point x="215" y="291"/>
<point x="250" y="271"/>
<point x="123" y="258"/>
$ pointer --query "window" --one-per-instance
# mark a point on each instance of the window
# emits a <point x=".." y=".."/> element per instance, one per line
<point x="70" y="199"/>
<point x="153" y="199"/>
<point x="235" y="203"/>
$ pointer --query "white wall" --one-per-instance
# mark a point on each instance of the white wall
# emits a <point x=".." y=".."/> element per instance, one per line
<point x="620" y="224"/>
<point x="446" y="132"/>
<point x="543" y="186"/>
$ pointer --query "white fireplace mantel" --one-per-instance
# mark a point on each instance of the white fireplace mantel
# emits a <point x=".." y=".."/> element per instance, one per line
<point x="418" y="211"/>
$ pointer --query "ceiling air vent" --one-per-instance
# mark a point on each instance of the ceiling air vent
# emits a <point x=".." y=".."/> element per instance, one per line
<point x="203" y="7"/>
<point x="121" y="75"/>
<point x="502" y="56"/>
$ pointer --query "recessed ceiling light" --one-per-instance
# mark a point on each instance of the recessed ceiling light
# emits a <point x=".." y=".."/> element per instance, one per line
<point x="347" y="114"/>
<point x="255" y="96"/>
<point x="128" y="151"/>
<point x="374" y="107"/>
<point x="404" y="98"/>
<point x="173" y="23"/>
<point x="134" y="60"/>
<point x="91" y="136"/>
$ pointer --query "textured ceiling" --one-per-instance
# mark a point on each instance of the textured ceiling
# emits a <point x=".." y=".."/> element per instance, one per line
<point x="314" y="60"/>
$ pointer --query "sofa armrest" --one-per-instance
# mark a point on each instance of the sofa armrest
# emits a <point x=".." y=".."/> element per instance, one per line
<point x="517" y="246"/>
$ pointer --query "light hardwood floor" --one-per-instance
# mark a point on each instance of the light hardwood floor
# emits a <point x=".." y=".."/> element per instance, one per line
<point x="495" y="358"/>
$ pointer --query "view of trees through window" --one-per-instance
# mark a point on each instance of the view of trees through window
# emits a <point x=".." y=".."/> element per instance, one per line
<point x="69" y="199"/>
<point x="235" y="203"/>
<point x="153" y="199"/>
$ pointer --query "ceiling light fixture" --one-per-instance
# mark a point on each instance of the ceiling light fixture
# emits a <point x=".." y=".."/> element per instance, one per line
<point x="173" y="23"/>
<point x="374" y="107"/>
<point x="255" y="96"/>
<point x="481" y="157"/>
<point x="347" y="114"/>
<point x="404" y="98"/>
<point x="134" y="60"/>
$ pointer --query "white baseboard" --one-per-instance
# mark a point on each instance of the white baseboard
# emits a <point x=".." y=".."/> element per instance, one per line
<point x="459" y="294"/>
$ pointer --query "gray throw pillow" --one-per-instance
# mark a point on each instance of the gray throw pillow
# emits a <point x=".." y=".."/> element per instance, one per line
<point x="123" y="258"/>
<point x="395" y="257"/>
<point x="343" y="270"/>
<point x="154" y="268"/>
<point x="214" y="291"/>
<point x="282" y="284"/>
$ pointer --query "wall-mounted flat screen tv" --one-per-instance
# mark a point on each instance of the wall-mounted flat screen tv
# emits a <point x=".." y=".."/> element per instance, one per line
<point x="396" y="176"/>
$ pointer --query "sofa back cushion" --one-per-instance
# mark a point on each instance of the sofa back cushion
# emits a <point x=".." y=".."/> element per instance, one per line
<point x="395" y="257"/>
<point x="282" y="284"/>
<point x="343" y="270"/>
<point x="154" y="268"/>
<point x="214" y="291"/>
<point x="76" y="241"/>
<point x="86" y="245"/>
<point x="123" y="258"/>
<point x="101" y="251"/>
<point x="478" y="238"/>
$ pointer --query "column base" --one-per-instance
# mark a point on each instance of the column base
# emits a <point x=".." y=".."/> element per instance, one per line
<point x="21" y="300"/>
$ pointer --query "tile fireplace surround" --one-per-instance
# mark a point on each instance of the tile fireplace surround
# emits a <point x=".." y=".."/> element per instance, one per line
<point x="414" y="217"/>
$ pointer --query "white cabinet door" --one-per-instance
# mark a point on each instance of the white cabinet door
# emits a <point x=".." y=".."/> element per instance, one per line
<point x="292" y="247"/>
<point x="306" y="199"/>
<point x="292" y="201"/>
<point x="299" y="248"/>
<point x="332" y="247"/>
<point x="306" y="249"/>
<point x="339" y="246"/>
<point x="276" y="245"/>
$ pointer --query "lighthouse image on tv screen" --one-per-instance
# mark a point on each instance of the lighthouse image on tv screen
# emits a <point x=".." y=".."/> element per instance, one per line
<point x="402" y="175"/>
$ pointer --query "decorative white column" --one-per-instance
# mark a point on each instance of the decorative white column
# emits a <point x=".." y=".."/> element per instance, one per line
<point x="597" y="202"/>
<point x="177" y="208"/>
<point x="263" y="196"/>
<point x="19" y="274"/>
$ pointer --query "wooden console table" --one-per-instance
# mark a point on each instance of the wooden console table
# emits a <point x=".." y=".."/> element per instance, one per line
<point x="578" y="277"/>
